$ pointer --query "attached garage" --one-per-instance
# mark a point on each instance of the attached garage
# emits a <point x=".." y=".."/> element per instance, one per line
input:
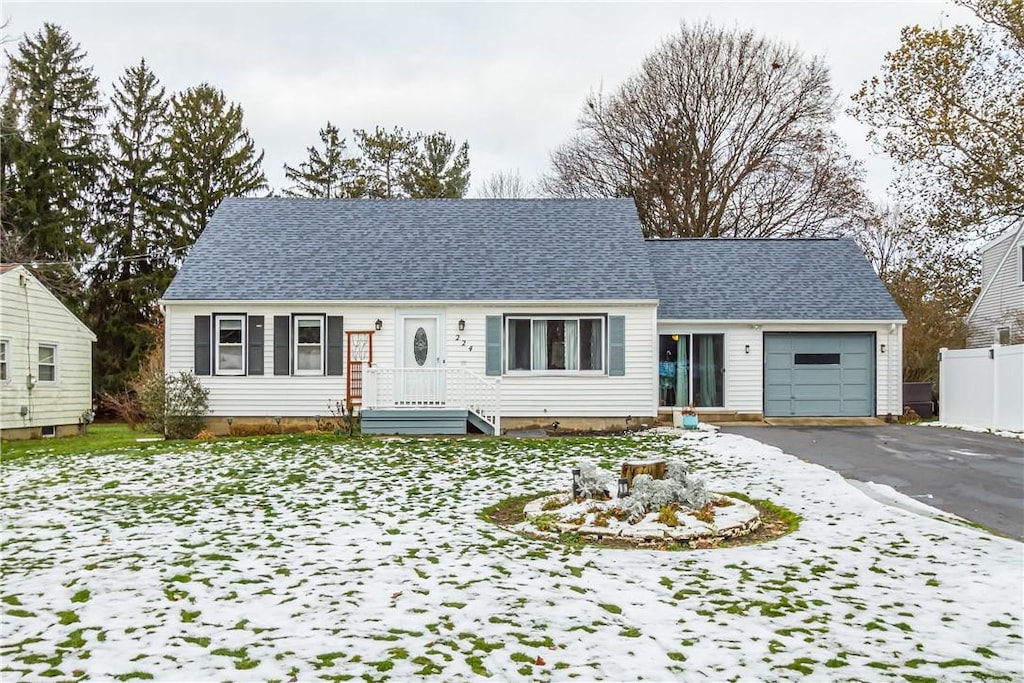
<point x="819" y="374"/>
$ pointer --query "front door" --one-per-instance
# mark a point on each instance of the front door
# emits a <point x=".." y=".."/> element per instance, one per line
<point x="420" y="378"/>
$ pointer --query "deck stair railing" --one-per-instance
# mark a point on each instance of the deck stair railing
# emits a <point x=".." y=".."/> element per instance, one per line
<point x="424" y="388"/>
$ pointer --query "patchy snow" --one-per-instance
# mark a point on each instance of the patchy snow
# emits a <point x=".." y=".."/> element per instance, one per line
<point x="980" y="430"/>
<point x="235" y="560"/>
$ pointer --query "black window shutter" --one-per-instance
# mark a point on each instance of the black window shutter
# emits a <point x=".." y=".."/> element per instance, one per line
<point x="335" y="344"/>
<point x="255" y="344"/>
<point x="492" y="330"/>
<point x="616" y="345"/>
<point x="282" y="344"/>
<point x="201" y="347"/>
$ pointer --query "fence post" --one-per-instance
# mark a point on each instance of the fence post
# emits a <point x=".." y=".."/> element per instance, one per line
<point x="943" y="381"/>
<point x="996" y="357"/>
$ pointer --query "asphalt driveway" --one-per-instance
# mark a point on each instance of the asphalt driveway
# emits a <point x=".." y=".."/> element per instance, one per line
<point x="979" y="477"/>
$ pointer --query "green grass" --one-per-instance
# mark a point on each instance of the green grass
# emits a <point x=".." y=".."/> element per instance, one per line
<point x="100" y="438"/>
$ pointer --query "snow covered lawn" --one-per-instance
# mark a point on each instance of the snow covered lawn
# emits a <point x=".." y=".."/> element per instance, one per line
<point x="314" y="559"/>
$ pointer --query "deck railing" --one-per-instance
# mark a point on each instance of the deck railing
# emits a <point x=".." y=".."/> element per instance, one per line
<point x="410" y="388"/>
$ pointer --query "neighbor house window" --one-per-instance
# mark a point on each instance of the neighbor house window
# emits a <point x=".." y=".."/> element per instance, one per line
<point x="5" y="354"/>
<point x="309" y="345"/>
<point x="230" y="339"/>
<point x="47" y="363"/>
<point x="571" y="344"/>
<point x="1003" y="335"/>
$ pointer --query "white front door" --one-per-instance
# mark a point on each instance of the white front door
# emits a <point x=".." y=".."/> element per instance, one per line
<point x="420" y="377"/>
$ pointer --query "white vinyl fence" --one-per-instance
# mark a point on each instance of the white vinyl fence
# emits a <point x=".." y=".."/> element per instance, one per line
<point x="983" y="387"/>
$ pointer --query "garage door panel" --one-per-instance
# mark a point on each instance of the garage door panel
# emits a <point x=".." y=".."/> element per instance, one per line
<point x="814" y="392"/>
<point x="857" y="407"/>
<point x="814" y="408"/>
<point x="806" y="375"/>
<point x="860" y="378"/>
<point x="814" y="344"/>
<point x="856" y="361"/>
<point x="819" y="374"/>
<point x="777" y="377"/>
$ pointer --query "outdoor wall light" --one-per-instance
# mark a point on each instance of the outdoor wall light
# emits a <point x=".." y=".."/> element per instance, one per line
<point x="746" y="349"/>
<point x="462" y="326"/>
<point x="883" y="348"/>
<point x="378" y="325"/>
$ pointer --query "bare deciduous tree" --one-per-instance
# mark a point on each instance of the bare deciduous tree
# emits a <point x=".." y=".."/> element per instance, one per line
<point x="721" y="133"/>
<point x="506" y="185"/>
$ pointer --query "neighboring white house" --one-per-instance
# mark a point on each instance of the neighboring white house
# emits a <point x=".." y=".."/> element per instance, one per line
<point x="435" y="314"/>
<point x="997" y="316"/>
<point x="45" y="360"/>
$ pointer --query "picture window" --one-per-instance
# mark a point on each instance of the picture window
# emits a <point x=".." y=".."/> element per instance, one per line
<point x="555" y="344"/>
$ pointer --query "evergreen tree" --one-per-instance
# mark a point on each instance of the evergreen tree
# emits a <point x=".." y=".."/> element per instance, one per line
<point x="210" y="157"/>
<point x="439" y="170"/>
<point x="329" y="174"/>
<point x="53" y="154"/>
<point x="386" y="160"/>
<point x="133" y="233"/>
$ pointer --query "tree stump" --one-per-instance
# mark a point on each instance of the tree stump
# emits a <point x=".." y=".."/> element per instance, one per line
<point x="631" y="468"/>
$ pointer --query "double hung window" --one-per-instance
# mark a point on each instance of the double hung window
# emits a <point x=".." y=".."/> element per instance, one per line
<point x="230" y="339"/>
<point x="47" y="363"/>
<point x="5" y="359"/>
<point x="309" y="344"/>
<point x="573" y="344"/>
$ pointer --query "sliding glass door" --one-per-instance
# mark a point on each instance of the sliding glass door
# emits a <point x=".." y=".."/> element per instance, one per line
<point x="691" y="370"/>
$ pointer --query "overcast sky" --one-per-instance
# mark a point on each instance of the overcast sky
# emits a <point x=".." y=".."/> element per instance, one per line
<point x="508" y="78"/>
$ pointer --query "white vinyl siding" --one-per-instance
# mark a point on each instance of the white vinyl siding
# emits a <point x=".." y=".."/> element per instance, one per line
<point x="30" y="316"/>
<point x="555" y="394"/>
<point x="1001" y="303"/>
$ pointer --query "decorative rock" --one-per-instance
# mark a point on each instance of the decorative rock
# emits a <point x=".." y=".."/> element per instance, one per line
<point x="731" y="521"/>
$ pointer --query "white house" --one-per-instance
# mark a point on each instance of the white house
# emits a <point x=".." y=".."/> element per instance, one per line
<point x="997" y="316"/>
<point x="435" y="315"/>
<point x="45" y="360"/>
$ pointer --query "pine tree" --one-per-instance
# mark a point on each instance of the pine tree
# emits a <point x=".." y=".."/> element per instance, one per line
<point x="330" y="174"/>
<point x="439" y="170"/>
<point x="53" y="154"/>
<point x="133" y="232"/>
<point x="210" y="157"/>
<point x="386" y="159"/>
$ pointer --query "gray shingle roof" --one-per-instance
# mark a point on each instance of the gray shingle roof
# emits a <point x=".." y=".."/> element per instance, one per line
<point x="767" y="279"/>
<point x="469" y="249"/>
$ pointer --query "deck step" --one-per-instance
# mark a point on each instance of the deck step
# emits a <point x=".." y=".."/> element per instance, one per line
<point x="414" y="421"/>
<point x="479" y="424"/>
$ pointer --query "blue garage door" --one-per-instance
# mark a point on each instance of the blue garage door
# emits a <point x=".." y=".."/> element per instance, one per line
<point x="819" y="374"/>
